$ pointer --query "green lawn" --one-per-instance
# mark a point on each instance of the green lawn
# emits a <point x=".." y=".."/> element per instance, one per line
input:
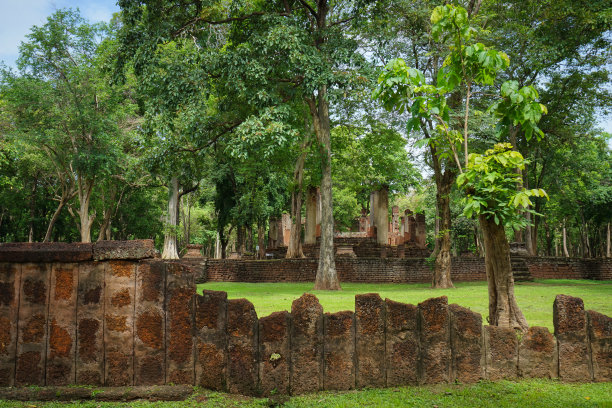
<point x="527" y="393"/>
<point x="534" y="298"/>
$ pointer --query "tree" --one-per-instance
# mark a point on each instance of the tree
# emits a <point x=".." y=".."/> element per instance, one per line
<point x="62" y="104"/>
<point x="487" y="179"/>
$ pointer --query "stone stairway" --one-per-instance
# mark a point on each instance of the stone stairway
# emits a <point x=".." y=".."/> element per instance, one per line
<point x="520" y="270"/>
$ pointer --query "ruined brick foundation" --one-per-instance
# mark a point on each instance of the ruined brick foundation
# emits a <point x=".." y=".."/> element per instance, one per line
<point x="111" y="315"/>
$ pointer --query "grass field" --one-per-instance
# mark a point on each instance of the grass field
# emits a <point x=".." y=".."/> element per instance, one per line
<point x="527" y="393"/>
<point x="534" y="298"/>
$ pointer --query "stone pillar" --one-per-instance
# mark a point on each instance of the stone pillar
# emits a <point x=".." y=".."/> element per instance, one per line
<point x="600" y="334"/>
<point x="420" y="230"/>
<point x="466" y="344"/>
<point x="402" y="231"/>
<point x="10" y="275"/>
<point x="149" y="325"/>
<point x="410" y="235"/>
<point x="364" y="221"/>
<point x="370" y="338"/>
<point x="119" y="323"/>
<point x="286" y="229"/>
<point x="180" y="290"/>
<point x="380" y="214"/>
<point x="242" y="369"/>
<point x="90" y="316"/>
<point x="339" y="351"/>
<point x="306" y="345"/>
<point x="62" y="324"/>
<point x="537" y="354"/>
<point x="435" y="357"/>
<point x="395" y="219"/>
<point x="570" y="324"/>
<point x="501" y="353"/>
<point x="310" y="233"/>
<point x="211" y="340"/>
<point x="32" y="338"/>
<point x="402" y="338"/>
<point x="275" y="353"/>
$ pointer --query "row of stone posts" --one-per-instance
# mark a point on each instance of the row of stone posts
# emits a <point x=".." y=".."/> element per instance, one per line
<point x="408" y="229"/>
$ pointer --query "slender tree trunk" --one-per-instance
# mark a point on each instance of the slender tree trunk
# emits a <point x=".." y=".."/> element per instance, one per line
<point x="608" y="249"/>
<point x="294" y="249"/>
<point x="503" y="308"/>
<point x="66" y="196"/>
<point x="441" y="277"/>
<point x="32" y="209"/>
<point x="240" y="235"/>
<point x="170" y="248"/>
<point x="107" y="215"/>
<point x="261" y="239"/>
<point x="326" y="278"/>
<point x="310" y="230"/>
<point x="565" y="251"/>
<point x="85" y="187"/>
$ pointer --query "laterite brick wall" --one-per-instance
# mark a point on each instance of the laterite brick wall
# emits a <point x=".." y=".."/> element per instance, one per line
<point x="113" y="316"/>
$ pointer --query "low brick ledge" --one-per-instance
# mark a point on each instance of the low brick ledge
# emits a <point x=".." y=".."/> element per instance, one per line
<point x="76" y="252"/>
<point x="93" y="393"/>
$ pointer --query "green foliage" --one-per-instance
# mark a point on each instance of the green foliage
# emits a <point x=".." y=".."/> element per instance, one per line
<point x="490" y="184"/>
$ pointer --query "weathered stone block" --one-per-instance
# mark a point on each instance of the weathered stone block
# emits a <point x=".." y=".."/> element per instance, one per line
<point x="501" y="353"/>
<point x="211" y="340"/>
<point x="90" y="315"/>
<point x="435" y="357"/>
<point x="570" y="323"/>
<point x="339" y="351"/>
<point x="60" y="365"/>
<point x="10" y="282"/>
<point x="32" y="338"/>
<point x="45" y="252"/>
<point x="119" y="290"/>
<point x="306" y="345"/>
<point x="370" y="338"/>
<point x="403" y="345"/>
<point x="242" y="370"/>
<point x="466" y="344"/>
<point x="600" y="335"/>
<point x="537" y="354"/>
<point x="134" y="250"/>
<point x="275" y="353"/>
<point x="180" y="291"/>
<point x="149" y="324"/>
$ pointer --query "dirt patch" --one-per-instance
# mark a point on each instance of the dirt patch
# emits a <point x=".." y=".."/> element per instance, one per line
<point x="5" y="335"/>
<point x="60" y="341"/>
<point x="92" y="296"/>
<point x="121" y="298"/>
<point x="7" y="293"/>
<point x="149" y="329"/>
<point x="35" y="291"/>
<point x="88" y="331"/>
<point x="116" y="323"/>
<point x="34" y="330"/>
<point x="64" y="284"/>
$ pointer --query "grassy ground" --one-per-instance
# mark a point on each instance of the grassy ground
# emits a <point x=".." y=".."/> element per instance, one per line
<point x="534" y="298"/>
<point x="531" y="393"/>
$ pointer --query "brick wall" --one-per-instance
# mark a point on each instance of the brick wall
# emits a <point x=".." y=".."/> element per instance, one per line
<point x="118" y="318"/>
<point x="570" y="268"/>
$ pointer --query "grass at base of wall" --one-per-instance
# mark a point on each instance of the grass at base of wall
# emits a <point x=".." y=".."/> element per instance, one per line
<point x="534" y="298"/>
<point x="526" y="393"/>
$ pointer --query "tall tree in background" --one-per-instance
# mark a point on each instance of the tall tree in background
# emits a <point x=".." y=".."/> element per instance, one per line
<point x="62" y="103"/>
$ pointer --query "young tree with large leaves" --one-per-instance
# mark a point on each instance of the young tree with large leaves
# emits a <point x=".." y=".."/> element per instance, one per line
<point x="489" y="179"/>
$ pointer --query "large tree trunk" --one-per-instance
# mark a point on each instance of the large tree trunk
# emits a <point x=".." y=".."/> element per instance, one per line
<point x="380" y="209"/>
<point x="503" y="309"/>
<point x="294" y="249"/>
<point x="326" y="278"/>
<point x="170" y="249"/>
<point x="441" y="277"/>
<point x="310" y="229"/>
<point x="85" y="188"/>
